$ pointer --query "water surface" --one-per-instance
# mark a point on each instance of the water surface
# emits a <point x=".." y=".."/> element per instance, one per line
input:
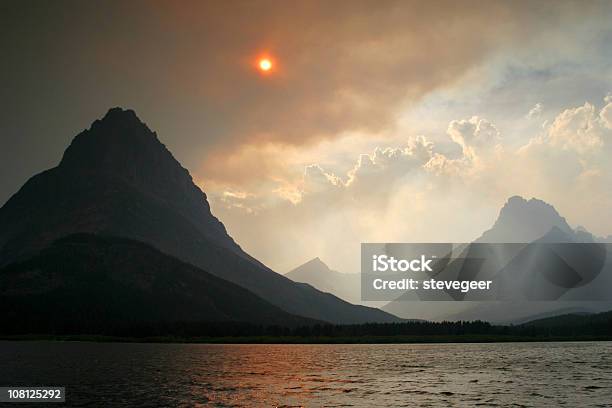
<point x="127" y="375"/>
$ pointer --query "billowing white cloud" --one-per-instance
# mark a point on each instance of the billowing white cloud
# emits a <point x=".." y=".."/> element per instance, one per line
<point x="416" y="192"/>
<point x="474" y="135"/>
<point x="582" y="128"/>
<point x="392" y="162"/>
<point x="606" y="113"/>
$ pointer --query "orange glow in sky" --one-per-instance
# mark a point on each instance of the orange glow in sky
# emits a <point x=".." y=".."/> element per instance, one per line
<point x="265" y="64"/>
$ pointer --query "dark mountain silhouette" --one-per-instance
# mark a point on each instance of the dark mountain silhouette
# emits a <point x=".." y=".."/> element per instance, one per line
<point x="316" y="273"/>
<point x="518" y="312"/>
<point x="574" y="311"/>
<point x="90" y="284"/>
<point x="118" y="179"/>
<point x="575" y="320"/>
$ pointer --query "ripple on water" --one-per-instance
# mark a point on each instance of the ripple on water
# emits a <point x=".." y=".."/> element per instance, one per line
<point x="125" y="375"/>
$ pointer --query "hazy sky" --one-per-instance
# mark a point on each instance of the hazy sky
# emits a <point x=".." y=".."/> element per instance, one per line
<point x="381" y="120"/>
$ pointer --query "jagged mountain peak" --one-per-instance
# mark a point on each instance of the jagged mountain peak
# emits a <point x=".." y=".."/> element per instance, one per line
<point x="519" y="206"/>
<point x="522" y="220"/>
<point x="118" y="112"/>
<point x="118" y="142"/>
<point x="315" y="272"/>
<point x="316" y="263"/>
<point x="123" y="146"/>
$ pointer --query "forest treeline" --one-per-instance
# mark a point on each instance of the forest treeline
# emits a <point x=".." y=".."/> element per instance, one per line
<point x="599" y="325"/>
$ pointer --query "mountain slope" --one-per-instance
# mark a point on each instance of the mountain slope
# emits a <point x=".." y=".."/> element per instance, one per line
<point x="117" y="179"/>
<point x="88" y="284"/>
<point x="519" y="221"/>
<point x="575" y="320"/>
<point x="534" y="220"/>
<point x="316" y="273"/>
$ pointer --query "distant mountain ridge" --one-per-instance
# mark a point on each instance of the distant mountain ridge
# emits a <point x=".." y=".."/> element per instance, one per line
<point x="519" y="221"/>
<point x="117" y="179"/>
<point x="316" y="273"/>
<point x="576" y="320"/>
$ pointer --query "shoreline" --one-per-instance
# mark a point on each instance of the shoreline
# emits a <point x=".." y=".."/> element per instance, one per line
<point x="459" y="339"/>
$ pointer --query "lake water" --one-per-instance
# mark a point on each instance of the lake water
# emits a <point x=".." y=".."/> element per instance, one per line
<point x="128" y="375"/>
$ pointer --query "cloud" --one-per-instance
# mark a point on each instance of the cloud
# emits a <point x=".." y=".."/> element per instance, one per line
<point x="535" y="112"/>
<point x="342" y="66"/>
<point x="474" y="135"/>
<point x="187" y="68"/>
<point x="415" y="192"/>
<point x="392" y="162"/>
<point x="241" y="200"/>
<point x="317" y="180"/>
<point x="575" y="142"/>
<point x="606" y="113"/>
<point x="582" y="129"/>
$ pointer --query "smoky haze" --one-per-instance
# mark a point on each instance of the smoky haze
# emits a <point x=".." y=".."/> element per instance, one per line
<point x="187" y="68"/>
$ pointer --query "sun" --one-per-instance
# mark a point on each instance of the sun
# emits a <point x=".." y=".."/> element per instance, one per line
<point x="265" y="64"/>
